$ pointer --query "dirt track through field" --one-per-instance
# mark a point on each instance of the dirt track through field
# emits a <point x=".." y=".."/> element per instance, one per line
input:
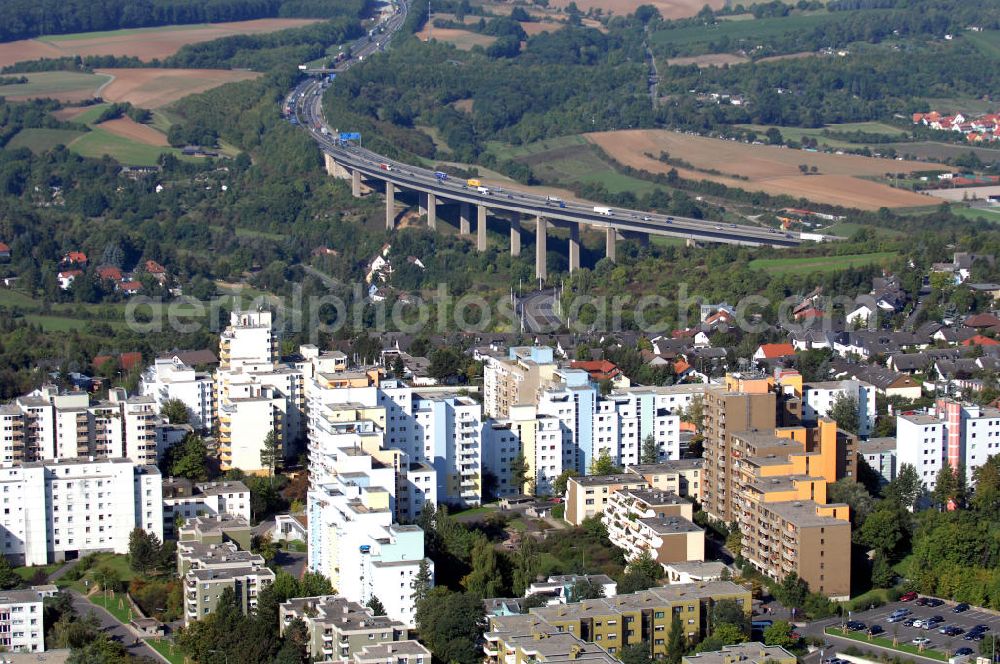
<point x="767" y="168"/>
<point x="145" y="44"/>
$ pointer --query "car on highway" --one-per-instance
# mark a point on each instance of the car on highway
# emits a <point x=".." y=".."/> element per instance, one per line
<point x="960" y="608"/>
<point x="855" y="625"/>
<point x="921" y="641"/>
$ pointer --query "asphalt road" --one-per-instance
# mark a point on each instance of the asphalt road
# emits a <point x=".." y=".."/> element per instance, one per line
<point x="111" y="626"/>
<point x="306" y="103"/>
<point x="539" y="311"/>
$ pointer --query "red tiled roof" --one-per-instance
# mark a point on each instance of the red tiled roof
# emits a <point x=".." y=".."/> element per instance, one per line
<point x="155" y="268"/>
<point x="980" y="340"/>
<point x="66" y="274"/>
<point x="110" y="273"/>
<point x="4" y="249"/>
<point x="773" y="351"/>
<point x="680" y="366"/>
<point x="981" y="320"/>
<point x="130" y="286"/>
<point x="75" y="257"/>
<point x="598" y="369"/>
<point x="130" y="361"/>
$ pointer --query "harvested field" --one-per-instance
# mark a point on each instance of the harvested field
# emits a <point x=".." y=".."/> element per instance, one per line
<point x="668" y="8"/>
<point x="69" y="113"/>
<point x="133" y="131"/>
<point x="538" y="27"/>
<point x="771" y="169"/>
<point x="462" y="39"/>
<point x="708" y="60"/>
<point x="144" y="43"/>
<point x="464" y="105"/>
<point x="153" y="88"/>
<point x="788" y="56"/>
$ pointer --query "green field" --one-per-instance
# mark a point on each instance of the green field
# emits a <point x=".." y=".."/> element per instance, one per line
<point x="992" y="215"/>
<point x="755" y="30"/>
<point x="168" y="649"/>
<point x="988" y="42"/>
<point x="113" y="561"/>
<point x="939" y="151"/>
<point x="819" y="263"/>
<point x="99" y="142"/>
<point x="116" y="605"/>
<point x="43" y="140"/>
<point x="847" y="229"/>
<point x="580" y="164"/>
<point x="119" y="33"/>
<point x="90" y="115"/>
<point x="906" y="647"/>
<point x="504" y="151"/>
<point x="50" y="83"/>
<point x="27" y="573"/>
<point x="798" y="133"/>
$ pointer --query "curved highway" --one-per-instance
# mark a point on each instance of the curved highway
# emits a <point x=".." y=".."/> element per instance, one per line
<point x="305" y="103"/>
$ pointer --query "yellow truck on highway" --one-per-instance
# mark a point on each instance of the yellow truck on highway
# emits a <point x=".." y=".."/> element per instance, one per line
<point x="473" y="183"/>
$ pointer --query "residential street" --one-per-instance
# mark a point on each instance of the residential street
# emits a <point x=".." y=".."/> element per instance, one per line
<point x="111" y="626"/>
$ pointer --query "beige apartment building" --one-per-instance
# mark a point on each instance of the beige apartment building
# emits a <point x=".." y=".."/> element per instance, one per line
<point x="743" y="653"/>
<point x="610" y="623"/>
<point x="399" y="652"/>
<point x="588" y="495"/>
<point x="641" y="520"/>
<point x="338" y="628"/>
<point x="680" y="476"/>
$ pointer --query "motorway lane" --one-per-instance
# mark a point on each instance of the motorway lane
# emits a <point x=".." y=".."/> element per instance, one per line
<point x="308" y="107"/>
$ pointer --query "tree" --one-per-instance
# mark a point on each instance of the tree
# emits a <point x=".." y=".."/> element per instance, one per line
<point x="695" y="413"/>
<point x="144" y="551"/>
<point x="882" y="530"/>
<point x="844" y="412"/>
<point x="793" y="591"/>
<point x="950" y="486"/>
<point x="636" y="653"/>
<point x="270" y="454"/>
<point x="102" y="649"/>
<point x="907" y="488"/>
<point x="485" y="579"/>
<point x="734" y="541"/>
<point x="728" y="612"/>
<point x="175" y="411"/>
<point x="519" y="472"/>
<point x="650" y="451"/>
<point x="723" y="634"/>
<point x="188" y="459"/>
<point x="559" y="483"/>
<point x="375" y="604"/>
<point x="9" y="579"/>
<point x="107" y="578"/>
<point x="451" y="625"/>
<point x="986" y="499"/>
<point x="604" y="465"/>
<point x="846" y="490"/>
<point x="422" y="582"/>
<point x="677" y="642"/>
<point x="584" y="589"/>
<point x="779" y="634"/>
<point x="882" y="574"/>
<point x="641" y="573"/>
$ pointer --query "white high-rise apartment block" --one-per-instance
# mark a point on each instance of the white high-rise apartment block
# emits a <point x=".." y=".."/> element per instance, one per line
<point x="62" y="509"/>
<point x="21" y="628"/>
<point x="169" y="378"/>
<point x="255" y="394"/>
<point x="961" y="435"/>
<point x="818" y="398"/>
<point x="46" y="425"/>
<point x="351" y="507"/>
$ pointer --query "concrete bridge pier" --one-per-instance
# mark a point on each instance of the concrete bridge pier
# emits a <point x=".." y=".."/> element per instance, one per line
<point x="356" y="184"/>
<point x="390" y="206"/>
<point x="541" y="268"/>
<point x="574" y="247"/>
<point x="612" y="244"/>
<point x="432" y="219"/>
<point x="463" y="219"/>
<point x="481" y="229"/>
<point x="515" y="234"/>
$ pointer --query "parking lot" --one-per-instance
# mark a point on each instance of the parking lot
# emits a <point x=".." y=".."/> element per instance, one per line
<point x="938" y="641"/>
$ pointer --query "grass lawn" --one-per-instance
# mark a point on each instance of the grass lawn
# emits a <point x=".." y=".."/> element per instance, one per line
<point x="989" y="214"/>
<point x="99" y="142"/>
<point x="474" y="511"/>
<point x="116" y="604"/>
<point x="43" y="140"/>
<point x="517" y="524"/>
<point x="168" y="649"/>
<point x="90" y="115"/>
<point x="504" y="151"/>
<point x="582" y="165"/>
<point x="847" y="229"/>
<point x="987" y="42"/>
<point x="119" y="33"/>
<point x="819" y="263"/>
<point x="908" y="648"/>
<point x="48" y="83"/>
<point x="27" y="573"/>
<point x="114" y="561"/>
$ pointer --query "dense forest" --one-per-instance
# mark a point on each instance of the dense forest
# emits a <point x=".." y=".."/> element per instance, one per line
<point x="31" y="18"/>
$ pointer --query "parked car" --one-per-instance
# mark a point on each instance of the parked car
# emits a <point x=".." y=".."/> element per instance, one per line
<point x="908" y="597"/>
<point x="911" y="622"/>
<point x="973" y="636"/>
<point x="875" y="630"/>
<point x="918" y="623"/>
<point x="920" y="601"/>
<point x="981" y="628"/>
<point x="951" y="630"/>
<point x="855" y="625"/>
<point x="961" y="608"/>
<point x="921" y="641"/>
<point x="964" y="651"/>
<point x="934" y="602"/>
